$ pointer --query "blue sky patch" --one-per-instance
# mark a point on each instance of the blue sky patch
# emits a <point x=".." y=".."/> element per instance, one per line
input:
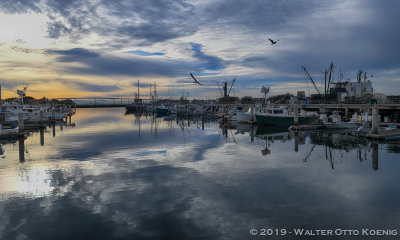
<point x="144" y="53"/>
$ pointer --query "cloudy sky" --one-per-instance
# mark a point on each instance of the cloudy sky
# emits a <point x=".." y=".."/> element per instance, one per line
<point x="76" y="48"/>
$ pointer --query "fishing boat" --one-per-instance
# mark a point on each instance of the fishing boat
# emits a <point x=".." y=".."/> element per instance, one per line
<point x="162" y="110"/>
<point x="270" y="115"/>
<point x="334" y="121"/>
<point x="10" y="132"/>
<point x="247" y="116"/>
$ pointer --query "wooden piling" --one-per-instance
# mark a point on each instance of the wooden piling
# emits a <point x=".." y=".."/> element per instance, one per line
<point x="53" y="115"/>
<point x="21" y="122"/>
<point x="296" y="116"/>
<point x="375" y="122"/>
<point x="41" y="137"/>
<point x="374" y="156"/>
<point x="21" y="151"/>
<point x="252" y="113"/>
<point x="41" y="116"/>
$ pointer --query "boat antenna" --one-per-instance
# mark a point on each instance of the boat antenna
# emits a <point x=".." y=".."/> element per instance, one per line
<point x="138" y="95"/>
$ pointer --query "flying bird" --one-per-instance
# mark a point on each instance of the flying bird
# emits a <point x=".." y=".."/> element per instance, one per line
<point x="195" y="80"/>
<point x="272" y="41"/>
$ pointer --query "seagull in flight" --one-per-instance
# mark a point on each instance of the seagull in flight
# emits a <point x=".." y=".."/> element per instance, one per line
<point x="272" y="41"/>
<point x="195" y="80"/>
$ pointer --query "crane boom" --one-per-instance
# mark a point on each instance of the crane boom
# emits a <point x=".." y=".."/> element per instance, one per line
<point x="330" y="76"/>
<point x="219" y="88"/>
<point x="233" y="81"/>
<point x="308" y="75"/>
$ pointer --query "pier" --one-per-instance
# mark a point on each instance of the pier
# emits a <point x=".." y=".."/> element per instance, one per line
<point x="97" y="102"/>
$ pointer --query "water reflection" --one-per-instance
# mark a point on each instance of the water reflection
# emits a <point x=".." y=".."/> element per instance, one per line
<point x="21" y="149"/>
<point x="117" y="176"/>
<point x="42" y="137"/>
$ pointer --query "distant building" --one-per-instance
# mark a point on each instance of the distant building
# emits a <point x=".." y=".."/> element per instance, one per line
<point x="301" y="95"/>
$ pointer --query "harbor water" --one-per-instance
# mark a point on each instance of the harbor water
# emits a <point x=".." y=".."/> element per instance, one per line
<point x="111" y="175"/>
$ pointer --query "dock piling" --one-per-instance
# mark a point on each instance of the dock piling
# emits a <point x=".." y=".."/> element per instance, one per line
<point x="21" y="150"/>
<point x="53" y="115"/>
<point x="21" y="122"/>
<point x="374" y="156"/>
<point x="296" y="116"/>
<point x="41" y="137"/>
<point x="375" y="122"/>
<point x="41" y="116"/>
<point x="252" y="113"/>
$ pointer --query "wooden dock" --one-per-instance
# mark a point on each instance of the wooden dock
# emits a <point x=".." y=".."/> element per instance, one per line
<point x="307" y="127"/>
<point x="385" y="135"/>
<point x="9" y="136"/>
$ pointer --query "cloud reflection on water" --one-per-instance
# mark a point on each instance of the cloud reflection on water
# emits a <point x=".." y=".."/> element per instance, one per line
<point x="119" y="184"/>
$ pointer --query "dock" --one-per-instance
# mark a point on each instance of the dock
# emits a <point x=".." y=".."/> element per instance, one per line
<point x="385" y="135"/>
<point x="12" y="136"/>
<point x="307" y="127"/>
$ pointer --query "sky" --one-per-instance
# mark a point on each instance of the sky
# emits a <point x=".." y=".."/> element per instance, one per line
<point x="101" y="48"/>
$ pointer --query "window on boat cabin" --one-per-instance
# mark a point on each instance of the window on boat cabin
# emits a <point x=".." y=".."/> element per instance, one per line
<point x="278" y="111"/>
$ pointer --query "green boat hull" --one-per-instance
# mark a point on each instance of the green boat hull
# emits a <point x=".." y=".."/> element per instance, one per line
<point x="280" y="120"/>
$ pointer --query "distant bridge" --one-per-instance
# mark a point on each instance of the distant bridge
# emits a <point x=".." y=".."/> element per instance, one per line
<point x="90" y="102"/>
<point x="82" y="102"/>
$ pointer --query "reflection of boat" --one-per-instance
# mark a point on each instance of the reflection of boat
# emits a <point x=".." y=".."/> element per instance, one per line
<point x="11" y="132"/>
<point x="269" y="130"/>
<point x="162" y="110"/>
<point x="270" y="134"/>
<point x="12" y="129"/>
<point x="334" y="121"/>
<point x="243" y="128"/>
<point x="279" y="116"/>
<point x="342" y="125"/>
<point x="132" y="108"/>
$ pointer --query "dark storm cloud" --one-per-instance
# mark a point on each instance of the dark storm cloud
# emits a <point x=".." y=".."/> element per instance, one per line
<point x="353" y="34"/>
<point x="72" y="55"/>
<point x="57" y="29"/>
<point x="95" y="64"/>
<point x="371" y="43"/>
<point x="93" y="87"/>
<point x="146" y="21"/>
<point x="19" y="6"/>
<point x="65" y="7"/>
<point x="115" y="66"/>
<point x="207" y="62"/>
<point x="156" y="20"/>
<point x="268" y="16"/>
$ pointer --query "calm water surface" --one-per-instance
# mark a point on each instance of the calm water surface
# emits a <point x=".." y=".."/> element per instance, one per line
<point x="117" y="176"/>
